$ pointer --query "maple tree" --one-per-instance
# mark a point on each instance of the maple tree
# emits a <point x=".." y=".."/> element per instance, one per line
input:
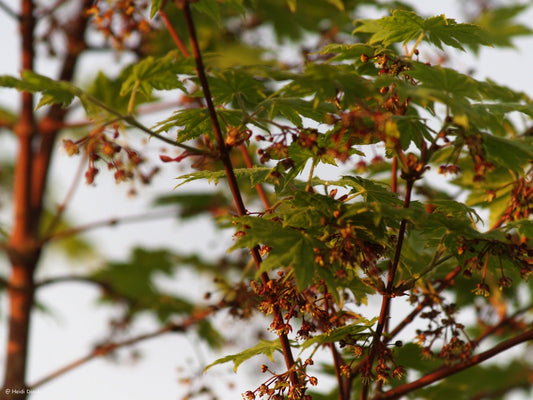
<point x="323" y="260"/>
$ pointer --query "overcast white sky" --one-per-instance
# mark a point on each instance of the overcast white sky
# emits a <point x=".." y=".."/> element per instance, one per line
<point x="74" y="323"/>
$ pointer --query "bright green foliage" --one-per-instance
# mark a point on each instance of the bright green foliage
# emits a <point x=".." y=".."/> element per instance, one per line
<point x="254" y="175"/>
<point x="53" y="92"/>
<point x="159" y="74"/>
<point x="403" y="27"/>
<point x="265" y="347"/>
<point x="354" y="331"/>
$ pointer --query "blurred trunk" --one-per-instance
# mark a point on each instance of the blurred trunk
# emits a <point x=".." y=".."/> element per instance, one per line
<point x="35" y="146"/>
<point x="22" y="248"/>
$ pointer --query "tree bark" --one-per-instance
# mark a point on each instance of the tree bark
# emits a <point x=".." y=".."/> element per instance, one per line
<point x="22" y="247"/>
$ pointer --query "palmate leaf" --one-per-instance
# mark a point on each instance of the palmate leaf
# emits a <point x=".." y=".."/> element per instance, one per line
<point x="266" y="347"/>
<point x="53" y="92"/>
<point x="157" y="73"/>
<point x="354" y="330"/>
<point x="237" y="87"/>
<point x="404" y="26"/>
<point x="256" y="175"/>
<point x="371" y="191"/>
<point x="58" y="92"/>
<point x="194" y="122"/>
<point x="294" y="108"/>
<point x="511" y="154"/>
<point x="305" y="209"/>
<point x="105" y="89"/>
<point x="289" y="247"/>
<point x="500" y="26"/>
<point x="325" y="82"/>
<point x="456" y="90"/>
<point x="457" y="211"/>
<point x="350" y="51"/>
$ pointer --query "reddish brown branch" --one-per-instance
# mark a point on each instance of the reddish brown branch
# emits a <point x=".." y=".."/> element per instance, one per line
<point x="446" y="371"/>
<point x="446" y="282"/>
<point x="501" y="324"/>
<point x="22" y="252"/>
<point x="230" y="174"/>
<point x="385" y="304"/>
<point x="175" y="37"/>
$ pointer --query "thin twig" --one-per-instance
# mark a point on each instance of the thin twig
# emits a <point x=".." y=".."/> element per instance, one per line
<point x="68" y="197"/>
<point x="445" y="283"/>
<point x="447" y="370"/>
<point x="108" y="348"/>
<point x="412" y="315"/>
<point x="230" y="173"/>
<point x="108" y="222"/>
<point x="385" y="305"/>
<point x="259" y="188"/>
<point x="8" y="10"/>
<point x="69" y="278"/>
<point x="504" y="321"/>
<point x="174" y="34"/>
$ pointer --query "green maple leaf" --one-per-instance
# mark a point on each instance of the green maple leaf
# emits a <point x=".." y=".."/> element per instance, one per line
<point x="266" y="347"/>
<point x="289" y="247"/>
<point x="405" y="26"/>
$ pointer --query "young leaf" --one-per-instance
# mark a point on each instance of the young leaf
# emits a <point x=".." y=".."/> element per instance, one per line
<point x="289" y="247"/>
<point x="266" y="347"/>
<point x="512" y="154"/>
<point x="156" y="73"/>
<point x="355" y="330"/>
<point x="294" y="108"/>
<point x="237" y="87"/>
<point x="372" y="191"/>
<point x="405" y="26"/>
<point x="500" y="25"/>
<point x="53" y="92"/>
<point x="195" y="122"/>
<point x="256" y="175"/>
<point x="156" y="6"/>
